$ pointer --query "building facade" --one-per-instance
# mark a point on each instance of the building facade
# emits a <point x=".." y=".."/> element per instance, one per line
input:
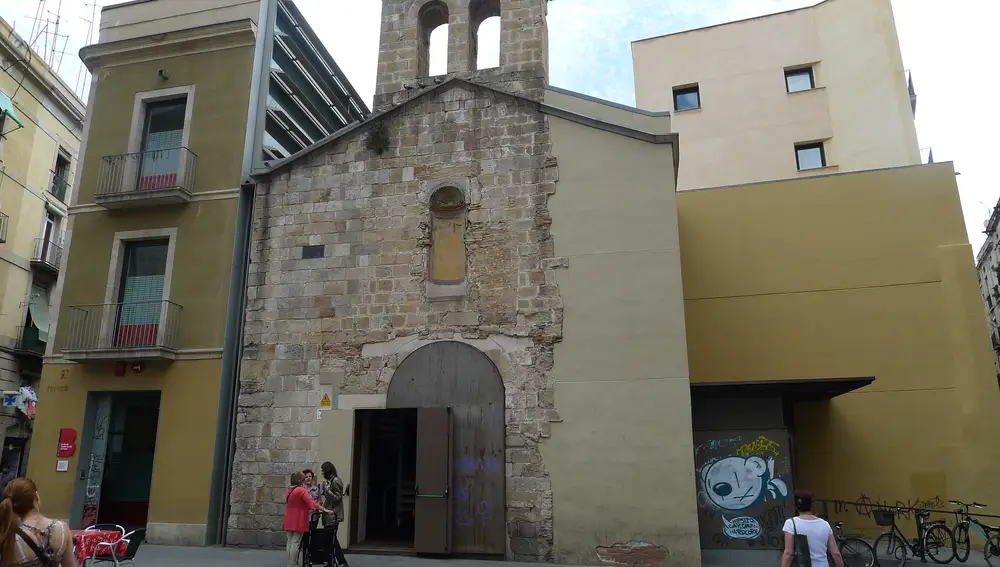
<point x="988" y="266"/>
<point x="831" y="95"/>
<point x="406" y="315"/>
<point x="137" y="368"/>
<point x="489" y="306"/>
<point x="41" y="125"/>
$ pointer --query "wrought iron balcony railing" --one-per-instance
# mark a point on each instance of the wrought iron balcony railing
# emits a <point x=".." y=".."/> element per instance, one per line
<point x="59" y="187"/>
<point x="47" y="253"/>
<point x="145" y="178"/>
<point x="112" y="328"/>
<point x="27" y="341"/>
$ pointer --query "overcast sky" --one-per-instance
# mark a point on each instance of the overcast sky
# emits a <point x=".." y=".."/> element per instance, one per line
<point x="948" y="45"/>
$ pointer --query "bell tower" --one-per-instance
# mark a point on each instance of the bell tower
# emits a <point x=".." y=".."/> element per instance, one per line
<point x="404" y="44"/>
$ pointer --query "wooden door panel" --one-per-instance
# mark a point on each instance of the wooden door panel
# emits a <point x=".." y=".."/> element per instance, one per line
<point x="432" y="533"/>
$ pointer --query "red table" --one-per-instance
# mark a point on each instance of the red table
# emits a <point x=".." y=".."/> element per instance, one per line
<point x="86" y="543"/>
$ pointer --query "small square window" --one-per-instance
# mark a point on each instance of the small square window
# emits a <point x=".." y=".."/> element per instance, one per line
<point x="810" y="156"/>
<point x="313" y="252"/>
<point x="802" y="79"/>
<point x="687" y="98"/>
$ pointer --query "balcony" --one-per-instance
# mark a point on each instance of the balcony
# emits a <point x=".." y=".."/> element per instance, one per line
<point x="156" y="177"/>
<point x="28" y="343"/>
<point x="47" y="256"/>
<point x="59" y="187"/>
<point x="121" y="331"/>
<point x="4" y="222"/>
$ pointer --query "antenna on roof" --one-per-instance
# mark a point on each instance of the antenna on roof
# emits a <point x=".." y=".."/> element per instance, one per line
<point x="82" y="83"/>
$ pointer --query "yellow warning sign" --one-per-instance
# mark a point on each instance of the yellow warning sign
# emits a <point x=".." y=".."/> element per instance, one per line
<point x="325" y="402"/>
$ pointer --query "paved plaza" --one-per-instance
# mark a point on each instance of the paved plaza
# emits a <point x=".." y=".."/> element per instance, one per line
<point x="167" y="556"/>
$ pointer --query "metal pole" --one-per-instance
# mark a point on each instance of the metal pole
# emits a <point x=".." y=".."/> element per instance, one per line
<point x="218" y="504"/>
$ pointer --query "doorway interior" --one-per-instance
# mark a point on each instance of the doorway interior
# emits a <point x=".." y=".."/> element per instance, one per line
<point x="128" y="469"/>
<point x="385" y="462"/>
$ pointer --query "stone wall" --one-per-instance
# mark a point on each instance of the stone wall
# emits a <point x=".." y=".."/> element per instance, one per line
<point x="341" y="319"/>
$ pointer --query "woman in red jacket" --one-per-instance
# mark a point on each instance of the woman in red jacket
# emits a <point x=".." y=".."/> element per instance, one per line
<point x="299" y="504"/>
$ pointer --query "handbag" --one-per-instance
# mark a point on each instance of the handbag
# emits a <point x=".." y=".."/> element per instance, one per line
<point x="800" y="548"/>
<point x="43" y="559"/>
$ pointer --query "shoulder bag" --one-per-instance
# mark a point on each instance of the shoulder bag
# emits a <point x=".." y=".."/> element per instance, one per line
<point x="800" y="547"/>
<point x="42" y="557"/>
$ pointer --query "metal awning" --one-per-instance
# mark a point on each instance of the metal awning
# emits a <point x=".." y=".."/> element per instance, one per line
<point x="7" y="109"/>
<point x="796" y="390"/>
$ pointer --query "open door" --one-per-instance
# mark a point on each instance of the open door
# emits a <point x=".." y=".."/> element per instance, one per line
<point x="432" y="513"/>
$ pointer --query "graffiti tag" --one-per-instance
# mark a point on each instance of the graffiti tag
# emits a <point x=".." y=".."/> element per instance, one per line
<point x="761" y="446"/>
<point x="714" y="444"/>
<point x="743" y="527"/>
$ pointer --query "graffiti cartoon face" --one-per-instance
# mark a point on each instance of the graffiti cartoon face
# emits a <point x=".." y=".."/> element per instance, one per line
<point x="737" y="483"/>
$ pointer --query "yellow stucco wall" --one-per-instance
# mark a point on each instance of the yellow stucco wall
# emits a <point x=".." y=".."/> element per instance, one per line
<point x="620" y="372"/>
<point x="221" y="98"/>
<point x="852" y="275"/>
<point x="184" y="441"/>
<point x="749" y="122"/>
<point x="202" y="264"/>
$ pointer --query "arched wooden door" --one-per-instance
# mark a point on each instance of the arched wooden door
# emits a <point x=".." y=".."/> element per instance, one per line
<point x="454" y="375"/>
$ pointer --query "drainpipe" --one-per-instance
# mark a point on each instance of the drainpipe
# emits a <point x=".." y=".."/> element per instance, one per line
<point x="218" y="503"/>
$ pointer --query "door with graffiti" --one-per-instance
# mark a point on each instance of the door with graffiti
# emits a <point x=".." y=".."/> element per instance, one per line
<point x="744" y="487"/>
<point x="96" y="467"/>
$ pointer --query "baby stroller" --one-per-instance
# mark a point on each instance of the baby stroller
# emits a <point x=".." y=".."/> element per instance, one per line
<point x="317" y="545"/>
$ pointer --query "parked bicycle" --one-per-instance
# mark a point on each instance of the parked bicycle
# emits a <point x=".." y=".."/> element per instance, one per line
<point x="933" y="540"/>
<point x="856" y="551"/>
<point x="963" y="537"/>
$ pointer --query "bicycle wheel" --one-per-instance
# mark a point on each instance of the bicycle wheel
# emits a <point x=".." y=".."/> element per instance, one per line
<point x="856" y="553"/>
<point x="991" y="552"/>
<point x="963" y="543"/>
<point x="939" y="544"/>
<point x="890" y="550"/>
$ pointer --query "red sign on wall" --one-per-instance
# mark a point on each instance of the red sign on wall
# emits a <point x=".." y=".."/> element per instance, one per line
<point x="67" y="443"/>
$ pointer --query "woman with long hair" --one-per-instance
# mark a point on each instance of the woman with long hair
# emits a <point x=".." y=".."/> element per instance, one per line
<point x="27" y="538"/>
<point x="333" y="492"/>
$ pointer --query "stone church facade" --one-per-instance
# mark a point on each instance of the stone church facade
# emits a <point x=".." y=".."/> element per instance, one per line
<point x="414" y="262"/>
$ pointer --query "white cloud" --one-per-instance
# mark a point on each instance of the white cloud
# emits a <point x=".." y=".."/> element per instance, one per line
<point x="948" y="46"/>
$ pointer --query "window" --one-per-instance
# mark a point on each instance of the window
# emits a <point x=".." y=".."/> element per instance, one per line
<point x="800" y="79"/>
<point x="140" y="292"/>
<point x="312" y="252"/>
<point x="432" y="52"/>
<point x="161" y="142"/>
<point x="810" y="156"/>
<point x="60" y="176"/>
<point x="687" y="98"/>
<point x="447" y="256"/>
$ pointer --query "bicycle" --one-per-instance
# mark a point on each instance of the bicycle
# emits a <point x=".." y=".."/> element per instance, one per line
<point x="933" y="540"/>
<point x="856" y="551"/>
<point x="963" y="539"/>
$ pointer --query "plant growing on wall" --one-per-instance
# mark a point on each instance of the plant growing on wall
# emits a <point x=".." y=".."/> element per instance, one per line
<point x="378" y="137"/>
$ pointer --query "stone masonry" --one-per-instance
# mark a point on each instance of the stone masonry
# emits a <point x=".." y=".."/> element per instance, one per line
<point x="335" y="319"/>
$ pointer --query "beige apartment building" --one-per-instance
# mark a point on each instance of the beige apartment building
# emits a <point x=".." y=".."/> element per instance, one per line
<point x="811" y="91"/>
<point x="41" y="125"/>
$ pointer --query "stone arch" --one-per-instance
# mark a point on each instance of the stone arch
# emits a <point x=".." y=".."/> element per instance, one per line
<point x="430" y="16"/>
<point x="454" y="374"/>
<point x="479" y="12"/>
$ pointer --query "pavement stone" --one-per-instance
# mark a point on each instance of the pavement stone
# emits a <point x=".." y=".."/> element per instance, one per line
<point x="172" y="556"/>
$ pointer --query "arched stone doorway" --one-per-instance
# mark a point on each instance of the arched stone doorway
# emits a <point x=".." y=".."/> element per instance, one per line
<point x="451" y="374"/>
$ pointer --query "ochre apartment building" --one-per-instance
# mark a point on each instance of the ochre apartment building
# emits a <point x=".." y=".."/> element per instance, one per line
<point x="41" y="125"/>
<point x="490" y="306"/>
<point x="136" y="381"/>
<point x="811" y="91"/>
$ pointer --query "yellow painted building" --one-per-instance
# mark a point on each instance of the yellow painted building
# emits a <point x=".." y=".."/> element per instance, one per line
<point x="843" y="313"/>
<point x="136" y="377"/>
<point x="41" y="125"/>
